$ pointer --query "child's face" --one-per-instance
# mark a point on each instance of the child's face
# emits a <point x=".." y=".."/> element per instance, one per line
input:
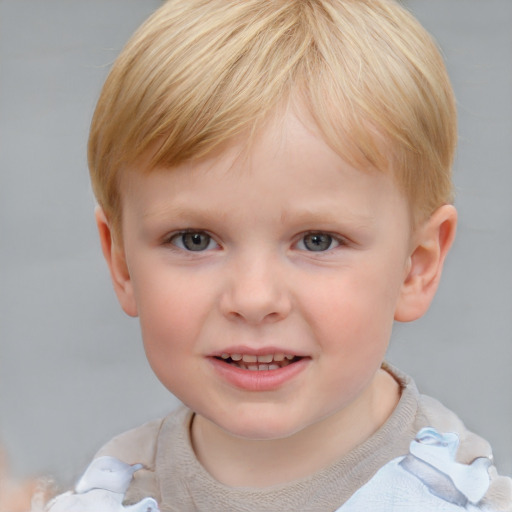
<point x="281" y="251"/>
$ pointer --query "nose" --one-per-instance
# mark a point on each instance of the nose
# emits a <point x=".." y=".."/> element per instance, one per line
<point x="256" y="292"/>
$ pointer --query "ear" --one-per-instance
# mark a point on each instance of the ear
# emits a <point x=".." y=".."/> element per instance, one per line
<point x="431" y="244"/>
<point x="115" y="257"/>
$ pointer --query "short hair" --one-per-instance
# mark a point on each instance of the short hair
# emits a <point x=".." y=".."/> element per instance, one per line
<point x="198" y="73"/>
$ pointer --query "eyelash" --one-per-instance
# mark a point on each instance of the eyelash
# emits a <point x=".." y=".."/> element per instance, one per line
<point x="192" y="232"/>
<point x="322" y="240"/>
<point x="331" y="239"/>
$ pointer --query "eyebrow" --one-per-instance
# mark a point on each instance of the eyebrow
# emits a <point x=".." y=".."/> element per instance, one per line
<point x="325" y="216"/>
<point x="196" y="214"/>
<point x="301" y="215"/>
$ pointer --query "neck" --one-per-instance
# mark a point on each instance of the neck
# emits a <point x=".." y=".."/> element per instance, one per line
<point x="241" y="462"/>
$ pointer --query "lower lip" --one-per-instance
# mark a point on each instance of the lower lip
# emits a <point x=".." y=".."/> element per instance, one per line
<point x="259" y="380"/>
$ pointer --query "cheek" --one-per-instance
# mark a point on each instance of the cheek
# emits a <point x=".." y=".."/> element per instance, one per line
<point x="169" y="336"/>
<point x="172" y="314"/>
<point x="169" y="300"/>
<point x="352" y="313"/>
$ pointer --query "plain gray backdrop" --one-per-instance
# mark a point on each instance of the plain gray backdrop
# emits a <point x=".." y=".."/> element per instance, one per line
<point x="72" y="368"/>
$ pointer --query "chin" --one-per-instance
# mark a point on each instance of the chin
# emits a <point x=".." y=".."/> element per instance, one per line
<point x="261" y="428"/>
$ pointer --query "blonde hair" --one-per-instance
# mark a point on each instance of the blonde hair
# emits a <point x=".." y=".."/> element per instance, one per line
<point x="198" y="73"/>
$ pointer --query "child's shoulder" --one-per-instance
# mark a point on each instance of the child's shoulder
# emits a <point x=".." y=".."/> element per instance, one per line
<point x="433" y="413"/>
<point x="470" y="448"/>
<point x="137" y="445"/>
<point x="430" y="412"/>
<point x="140" y="446"/>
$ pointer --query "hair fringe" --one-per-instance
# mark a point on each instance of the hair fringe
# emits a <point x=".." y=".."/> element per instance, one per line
<point x="199" y="73"/>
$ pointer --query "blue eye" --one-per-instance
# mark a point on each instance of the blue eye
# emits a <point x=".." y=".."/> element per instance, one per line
<point x="317" y="242"/>
<point x="193" y="241"/>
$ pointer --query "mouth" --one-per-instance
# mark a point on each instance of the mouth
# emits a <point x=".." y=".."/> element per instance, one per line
<point x="265" y="362"/>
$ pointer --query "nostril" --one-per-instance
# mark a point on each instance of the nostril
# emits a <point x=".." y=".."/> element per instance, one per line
<point x="255" y="301"/>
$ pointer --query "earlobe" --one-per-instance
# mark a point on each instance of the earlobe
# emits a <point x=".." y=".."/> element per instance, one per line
<point x="432" y="242"/>
<point x="116" y="261"/>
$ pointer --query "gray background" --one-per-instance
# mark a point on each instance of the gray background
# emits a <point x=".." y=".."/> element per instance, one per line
<point x="72" y="369"/>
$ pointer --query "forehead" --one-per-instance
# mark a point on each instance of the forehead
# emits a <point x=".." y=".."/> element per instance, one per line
<point x="286" y="167"/>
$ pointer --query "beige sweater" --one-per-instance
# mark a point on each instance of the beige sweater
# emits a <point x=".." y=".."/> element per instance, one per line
<point x="176" y="479"/>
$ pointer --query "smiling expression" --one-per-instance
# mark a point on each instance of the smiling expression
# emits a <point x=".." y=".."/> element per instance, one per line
<point x="266" y="279"/>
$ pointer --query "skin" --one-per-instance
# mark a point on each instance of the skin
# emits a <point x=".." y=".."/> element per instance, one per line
<point x="259" y="285"/>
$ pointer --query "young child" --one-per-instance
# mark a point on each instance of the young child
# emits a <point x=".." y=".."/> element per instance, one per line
<point x="274" y="189"/>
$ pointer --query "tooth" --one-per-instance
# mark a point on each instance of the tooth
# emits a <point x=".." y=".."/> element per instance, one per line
<point x="273" y="367"/>
<point x="247" y="358"/>
<point x="252" y="367"/>
<point x="225" y="356"/>
<point x="236" y="357"/>
<point x="278" y="357"/>
<point x="263" y="367"/>
<point x="265" y="359"/>
<point x="289" y="357"/>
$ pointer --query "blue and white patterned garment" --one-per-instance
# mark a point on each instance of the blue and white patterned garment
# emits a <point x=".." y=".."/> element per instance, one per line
<point x="428" y="479"/>
<point x="102" y="489"/>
